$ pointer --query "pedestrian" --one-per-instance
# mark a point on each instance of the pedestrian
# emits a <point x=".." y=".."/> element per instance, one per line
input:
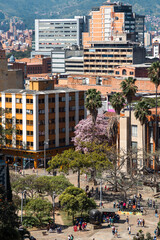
<point x="142" y="210"/>
<point x="114" y="205"/>
<point x="138" y="222"/>
<point x="33" y="170"/>
<point x="156" y="213"/>
<point x="155" y="232"/>
<point x="140" y="196"/>
<point x="113" y="230"/>
<point x="71" y="237"/>
<point x="143" y="222"/>
<point x="129" y="229"/>
<point x="116" y="233"/>
<point x="127" y="220"/>
<point x="154" y="204"/>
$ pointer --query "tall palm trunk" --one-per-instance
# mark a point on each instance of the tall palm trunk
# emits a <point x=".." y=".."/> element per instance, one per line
<point x="130" y="144"/>
<point x="156" y="133"/>
<point x="143" y="140"/>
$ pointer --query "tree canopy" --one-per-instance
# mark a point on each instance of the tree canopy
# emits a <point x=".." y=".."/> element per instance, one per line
<point x="87" y="132"/>
<point x="74" y="199"/>
<point x="117" y="101"/>
<point x="93" y="102"/>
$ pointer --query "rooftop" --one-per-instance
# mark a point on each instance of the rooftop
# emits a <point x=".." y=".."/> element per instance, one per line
<point x="33" y="92"/>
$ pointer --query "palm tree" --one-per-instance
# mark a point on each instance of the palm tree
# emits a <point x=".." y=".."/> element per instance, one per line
<point x="141" y="112"/>
<point x="154" y="74"/>
<point x="129" y="90"/>
<point x="93" y="102"/>
<point x="117" y="101"/>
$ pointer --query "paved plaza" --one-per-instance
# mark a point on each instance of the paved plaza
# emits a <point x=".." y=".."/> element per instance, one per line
<point x="105" y="233"/>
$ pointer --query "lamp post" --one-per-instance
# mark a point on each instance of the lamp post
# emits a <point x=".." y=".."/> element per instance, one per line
<point x="23" y="192"/>
<point x="45" y="143"/>
<point x="53" y="205"/>
<point x="101" y="193"/>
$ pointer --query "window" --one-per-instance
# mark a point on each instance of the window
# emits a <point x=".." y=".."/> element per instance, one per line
<point x="8" y="99"/>
<point x="134" y="130"/>
<point x="51" y="110"/>
<point x="62" y="109"/>
<point x="72" y="98"/>
<point x="62" y="99"/>
<point x="18" y="100"/>
<point x="72" y="108"/>
<point x="8" y="110"/>
<point x="131" y="73"/>
<point x="62" y="130"/>
<point x="41" y="111"/>
<point x="8" y="120"/>
<point x="151" y="147"/>
<point x="134" y="145"/>
<point x="62" y="119"/>
<point x="29" y="133"/>
<point x="62" y="140"/>
<point x="124" y="72"/>
<point x="151" y="132"/>
<point x="29" y="100"/>
<point x="81" y="107"/>
<point x="71" y="119"/>
<point x="18" y="121"/>
<point x="51" y="131"/>
<point x="19" y="132"/>
<point x="117" y="72"/>
<point x="18" y="110"/>
<point x="51" y="121"/>
<point x="71" y="129"/>
<point x="29" y="111"/>
<point x="51" y="100"/>
<point x="29" y="144"/>
<point x="29" y="122"/>
<point x="41" y="100"/>
<point x="81" y="117"/>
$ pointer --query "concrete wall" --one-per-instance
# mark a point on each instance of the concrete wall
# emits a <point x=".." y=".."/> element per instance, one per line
<point x="15" y="79"/>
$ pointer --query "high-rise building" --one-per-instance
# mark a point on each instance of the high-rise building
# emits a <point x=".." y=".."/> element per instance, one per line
<point x="111" y="20"/>
<point x="147" y="39"/>
<point x="53" y="33"/>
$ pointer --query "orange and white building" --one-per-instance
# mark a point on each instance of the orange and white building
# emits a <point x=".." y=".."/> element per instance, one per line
<point x="41" y="115"/>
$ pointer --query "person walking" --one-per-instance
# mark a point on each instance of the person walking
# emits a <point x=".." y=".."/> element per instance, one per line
<point x="113" y="230"/>
<point x="143" y="222"/>
<point x="116" y="233"/>
<point x="127" y="220"/>
<point x="129" y="230"/>
<point x="71" y="237"/>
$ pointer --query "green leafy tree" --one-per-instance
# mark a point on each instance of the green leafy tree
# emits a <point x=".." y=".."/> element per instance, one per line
<point x="141" y="111"/>
<point x="46" y="184"/>
<point x="117" y="101"/>
<point x="93" y="102"/>
<point x="69" y="159"/>
<point x="40" y="208"/>
<point x="154" y="74"/>
<point x="129" y="90"/>
<point x="73" y="199"/>
<point x="8" y="218"/>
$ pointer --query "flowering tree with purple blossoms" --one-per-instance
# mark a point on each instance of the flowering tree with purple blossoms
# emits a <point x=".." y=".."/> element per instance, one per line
<point x="88" y="132"/>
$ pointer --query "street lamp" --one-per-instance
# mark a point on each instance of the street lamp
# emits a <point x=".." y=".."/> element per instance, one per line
<point x="23" y="192"/>
<point x="45" y="143"/>
<point x="53" y="205"/>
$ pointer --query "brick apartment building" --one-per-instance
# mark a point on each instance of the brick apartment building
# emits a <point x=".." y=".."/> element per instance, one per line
<point x="37" y="65"/>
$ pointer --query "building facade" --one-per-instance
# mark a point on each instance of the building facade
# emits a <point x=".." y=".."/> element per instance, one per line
<point x="101" y="58"/>
<point x="53" y="33"/>
<point x="113" y="19"/>
<point x="41" y="115"/>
